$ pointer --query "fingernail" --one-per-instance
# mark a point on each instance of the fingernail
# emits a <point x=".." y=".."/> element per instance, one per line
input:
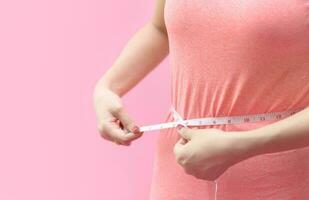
<point x="179" y="126"/>
<point x="183" y="141"/>
<point x="135" y="129"/>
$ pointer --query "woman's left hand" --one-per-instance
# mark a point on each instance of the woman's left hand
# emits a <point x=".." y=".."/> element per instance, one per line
<point x="208" y="153"/>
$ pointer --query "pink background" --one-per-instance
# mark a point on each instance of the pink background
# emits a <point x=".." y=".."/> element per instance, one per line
<point x="51" y="54"/>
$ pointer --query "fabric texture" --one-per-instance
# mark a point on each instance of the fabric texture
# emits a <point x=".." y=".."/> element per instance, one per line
<point x="234" y="58"/>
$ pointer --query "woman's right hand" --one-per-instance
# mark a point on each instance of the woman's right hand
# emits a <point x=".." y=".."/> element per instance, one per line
<point x="113" y="122"/>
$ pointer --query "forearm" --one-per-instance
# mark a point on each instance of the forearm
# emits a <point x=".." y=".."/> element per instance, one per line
<point x="287" y="134"/>
<point x="143" y="52"/>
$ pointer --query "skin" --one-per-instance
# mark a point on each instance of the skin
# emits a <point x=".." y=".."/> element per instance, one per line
<point x="208" y="153"/>
<point x="203" y="153"/>
<point x="131" y="66"/>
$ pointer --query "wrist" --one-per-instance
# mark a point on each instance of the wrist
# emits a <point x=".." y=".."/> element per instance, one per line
<point x="101" y="88"/>
<point x="253" y="142"/>
<point x="259" y="141"/>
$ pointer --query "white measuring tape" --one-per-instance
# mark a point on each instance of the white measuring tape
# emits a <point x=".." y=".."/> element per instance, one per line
<point x="218" y="120"/>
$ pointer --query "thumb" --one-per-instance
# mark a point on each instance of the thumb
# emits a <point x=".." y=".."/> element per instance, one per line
<point x="178" y="147"/>
<point x="185" y="132"/>
<point x="127" y="121"/>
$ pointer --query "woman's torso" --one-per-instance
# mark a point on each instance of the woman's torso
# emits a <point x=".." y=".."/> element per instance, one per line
<point x="236" y="57"/>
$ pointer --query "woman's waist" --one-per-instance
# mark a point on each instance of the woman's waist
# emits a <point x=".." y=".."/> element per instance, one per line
<point x="197" y="110"/>
<point x="241" y="120"/>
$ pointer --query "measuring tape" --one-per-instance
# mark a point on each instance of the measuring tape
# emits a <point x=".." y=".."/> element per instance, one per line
<point x="218" y="120"/>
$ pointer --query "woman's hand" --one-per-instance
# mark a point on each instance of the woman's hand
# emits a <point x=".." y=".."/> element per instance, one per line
<point x="113" y="122"/>
<point x="208" y="153"/>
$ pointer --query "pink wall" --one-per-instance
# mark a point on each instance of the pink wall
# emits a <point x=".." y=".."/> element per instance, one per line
<point x="51" y="54"/>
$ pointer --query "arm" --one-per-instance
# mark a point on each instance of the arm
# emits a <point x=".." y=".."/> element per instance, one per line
<point x="143" y="52"/>
<point x="208" y="153"/>
<point x="287" y="134"/>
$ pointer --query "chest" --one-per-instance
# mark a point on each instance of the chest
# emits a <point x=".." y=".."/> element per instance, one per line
<point x="262" y="21"/>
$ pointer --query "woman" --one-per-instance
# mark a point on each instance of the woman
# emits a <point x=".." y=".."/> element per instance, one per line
<point x="227" y="58"/>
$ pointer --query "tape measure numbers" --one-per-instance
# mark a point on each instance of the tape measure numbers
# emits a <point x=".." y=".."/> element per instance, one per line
<point x="218" y="120"/>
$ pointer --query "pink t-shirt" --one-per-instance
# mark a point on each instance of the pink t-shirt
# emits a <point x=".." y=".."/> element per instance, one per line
<point x="236" y="57"/>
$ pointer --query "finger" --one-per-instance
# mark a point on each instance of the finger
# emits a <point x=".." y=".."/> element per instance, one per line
<point x="119" y="124"/>
<point x="179" y="152"/>
<point x="126" y="143"/>
<point x="178" y="147"/>
<point x="183" y="141"/>
<point x="123" y="132"/>
<point x="103" y="132"/>
<point x="106" y="137"/>
<point x="126" y="121"/>
<point x="185" y="132"/>
<point x="122" y="143"/>
<point x="116" y="142"/>
<point x="120" y="135"/>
